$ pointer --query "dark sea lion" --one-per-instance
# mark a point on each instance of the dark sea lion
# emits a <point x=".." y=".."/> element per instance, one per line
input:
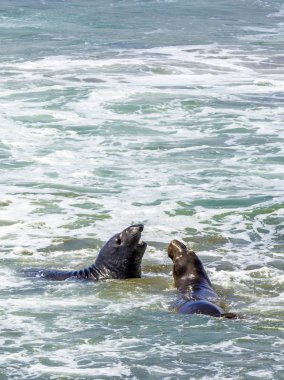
<point x="119" y="258"/>
<point x="195" y="291"/>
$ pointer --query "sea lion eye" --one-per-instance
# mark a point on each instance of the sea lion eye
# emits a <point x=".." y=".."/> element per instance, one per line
<point x="118" y="241"/>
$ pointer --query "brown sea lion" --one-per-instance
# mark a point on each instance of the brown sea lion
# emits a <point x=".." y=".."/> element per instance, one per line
<point x="195" y="291"/>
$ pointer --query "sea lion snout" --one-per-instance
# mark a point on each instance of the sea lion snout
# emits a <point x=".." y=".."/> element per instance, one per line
<point x="175" y="247"/>
<point x="137" y="227"/>
<point x="131" y="235"/>
<point x="133" y="232"/>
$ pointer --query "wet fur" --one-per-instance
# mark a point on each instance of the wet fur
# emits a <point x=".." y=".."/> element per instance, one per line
<point x="119" y="258"/>
<point x="195" y="291"/>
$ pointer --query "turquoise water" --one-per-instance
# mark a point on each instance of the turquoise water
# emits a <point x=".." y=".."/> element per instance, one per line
<point x="167" y="113"/>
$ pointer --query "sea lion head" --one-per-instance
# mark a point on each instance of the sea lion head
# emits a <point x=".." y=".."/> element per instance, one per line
<point x="187" y="267"/>
<point x="121" y="256"/>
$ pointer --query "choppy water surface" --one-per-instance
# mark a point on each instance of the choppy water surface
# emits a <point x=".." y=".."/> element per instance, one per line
<point x="168" y="113"/>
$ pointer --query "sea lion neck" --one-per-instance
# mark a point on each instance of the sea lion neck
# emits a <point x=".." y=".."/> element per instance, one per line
<point x="189" y="273"/>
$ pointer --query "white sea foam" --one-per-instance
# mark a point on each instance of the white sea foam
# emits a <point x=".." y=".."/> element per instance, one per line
<point x="116" y="370"/>
<point x="261" y="374"/>
<point x="279" y="13"/>
<point x="187" y="140"/>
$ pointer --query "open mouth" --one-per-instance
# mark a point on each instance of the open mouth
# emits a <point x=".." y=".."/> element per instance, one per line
<point x="141" y="244"/>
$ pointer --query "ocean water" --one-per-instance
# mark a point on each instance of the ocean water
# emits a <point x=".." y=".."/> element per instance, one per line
<point x="163" y="112"/>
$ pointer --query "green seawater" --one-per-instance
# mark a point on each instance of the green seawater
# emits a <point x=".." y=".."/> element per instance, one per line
<point x="162" y="112"/>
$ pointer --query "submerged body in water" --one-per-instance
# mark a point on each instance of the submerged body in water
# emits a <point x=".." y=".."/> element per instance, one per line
<point x="119" y="258"/>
